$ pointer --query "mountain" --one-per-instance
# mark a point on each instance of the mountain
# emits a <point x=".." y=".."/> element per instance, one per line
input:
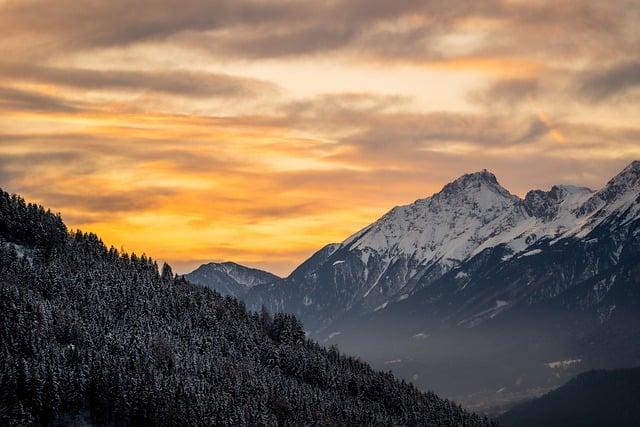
<point x="92" y="336"/>
<point x="497" y="286"/>
<point x="595" y="398"/>
<point x="229" y="278"/>
<point x="387" y="259"/>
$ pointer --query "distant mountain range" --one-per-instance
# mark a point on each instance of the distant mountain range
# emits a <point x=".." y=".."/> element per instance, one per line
<point x="229" y="278"/>
<point x="593" y="399"/>
<point x="501" y="290"/>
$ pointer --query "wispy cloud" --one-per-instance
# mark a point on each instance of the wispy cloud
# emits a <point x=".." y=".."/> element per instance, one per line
<point x="174" y="82"/>
<point x="15" y="99"/>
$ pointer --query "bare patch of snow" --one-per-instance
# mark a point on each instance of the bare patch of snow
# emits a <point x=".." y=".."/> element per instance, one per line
<point x="421" y="336"/>
<point x="462" y="275"/>
<point x="382" y="306"/>
<point x="530" y="253"/>
<point x="489" y="313"/>
<point x="563" y="364"/>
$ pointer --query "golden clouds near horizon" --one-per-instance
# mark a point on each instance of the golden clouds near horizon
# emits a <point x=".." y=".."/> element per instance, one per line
<point x="259" y="131"/>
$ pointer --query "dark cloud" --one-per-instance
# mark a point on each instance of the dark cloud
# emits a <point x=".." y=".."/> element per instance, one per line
<point x="601" y="84"/>
<point x="273" y="41"/>
<point x="536" y="130"/>
<point x="174" y="82"/>
<point x="338" y="111"/>
<point x="250" y="29"/>
<point x="16" y="166"/>
<point x="14" y="99"/>
<point x="73" y="24"/>
<point x="80" y="153"/>
<point x="302" y="27"/>
<point x="38" y="158"/>
<point x="507" y="92"/>
<point x="404" y="139"/>
<point x="286" y="211"/>
<point x="104" y="203"/>
<point x="381" y="127"/>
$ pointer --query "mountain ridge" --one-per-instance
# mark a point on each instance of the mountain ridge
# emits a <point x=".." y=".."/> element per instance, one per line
<point x="432" y="235"/>
<point x="229" y="278"/>
<point x="474" y="257"/>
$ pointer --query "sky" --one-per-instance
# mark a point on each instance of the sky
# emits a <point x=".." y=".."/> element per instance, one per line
<point x="259" y="131"/>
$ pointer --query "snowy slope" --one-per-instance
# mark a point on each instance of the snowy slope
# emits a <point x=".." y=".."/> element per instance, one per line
<point x="474" y="213"/>
<point x="447" y="226"/>
<point x="479" y="279"/>
<point x="414" y="245"/>
<point x="229" y="278"/>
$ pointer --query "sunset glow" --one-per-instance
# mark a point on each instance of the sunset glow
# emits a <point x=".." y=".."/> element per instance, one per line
<point x="258" y="132"/>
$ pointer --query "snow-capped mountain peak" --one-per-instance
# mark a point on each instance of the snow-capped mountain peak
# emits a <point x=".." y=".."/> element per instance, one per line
<point x="229" y="278"/>
<point x="622" y="188"/>
<point x="449" y="224"/>
<point x="473" y="182"/>
<point x="475" y="262"/>
<point x="414" y="245"/>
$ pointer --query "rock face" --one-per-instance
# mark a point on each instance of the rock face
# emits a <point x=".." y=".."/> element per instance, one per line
<point x="561" y="265"/>
<point x="229" y="278"/>
<point x="546" y="205"/>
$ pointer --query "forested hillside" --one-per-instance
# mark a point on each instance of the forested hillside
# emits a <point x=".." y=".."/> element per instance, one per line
<point x="595" y="398"/>
<point x="88" y="334"/>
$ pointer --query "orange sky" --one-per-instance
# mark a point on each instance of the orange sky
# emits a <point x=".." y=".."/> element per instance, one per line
<point x="259" y="131"/>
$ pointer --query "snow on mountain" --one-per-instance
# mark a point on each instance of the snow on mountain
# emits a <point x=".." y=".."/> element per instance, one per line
<point x="229" y="278"/>
<point x="620" y="197"/>
<point x="486" y="276"/>
<point x="549" y="214"/>
<point x="447" y="226"/>
<point x="625" y="183"/>
<point x="414" y="245"/>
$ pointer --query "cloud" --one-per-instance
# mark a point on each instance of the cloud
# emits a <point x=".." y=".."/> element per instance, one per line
<point x="409" y="30"/>
<point x="386" y="129"/>
<point x="253" y="190"/>
<point x="174" y="82"/>
<point x="14" y="99"/>
<point x="70" y="24"/>
<point x="193" y="130"/>
<point x="600" y="84"/>
<point x="105" y="204"/>
<point x="507" y="92"/>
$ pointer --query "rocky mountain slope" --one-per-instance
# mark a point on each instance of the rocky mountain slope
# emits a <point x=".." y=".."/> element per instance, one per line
<point x="412" y="246"/>
<point x="229" y="278"/>
<point x="474" y="276"/>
